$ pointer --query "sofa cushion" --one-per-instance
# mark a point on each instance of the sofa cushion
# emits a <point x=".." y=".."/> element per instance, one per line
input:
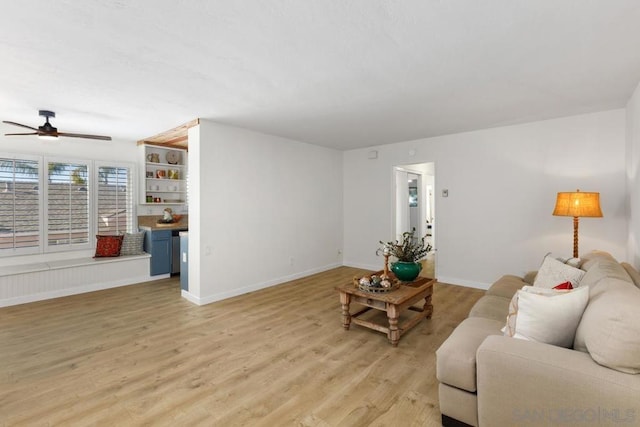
<point x="506" y="286"/>
<point x="553" y="272"/>
<point x="594" y="257"/>
<point x="632" y="272"/>
<point x="530" y="277"/>
<point x="610" y="327"/>
<point x="546" y="315"/>
<point x="491" y="307"/>
<point x="603" y="269"/>
<point x="609" y="285"/>
<point x="456" y="357"/>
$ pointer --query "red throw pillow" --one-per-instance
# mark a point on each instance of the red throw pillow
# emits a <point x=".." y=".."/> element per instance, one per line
<point x="563" y="286"/>
<point x="108" y="246"/>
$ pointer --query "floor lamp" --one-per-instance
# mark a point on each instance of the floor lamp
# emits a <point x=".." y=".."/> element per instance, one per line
<point x="577" y="204"/>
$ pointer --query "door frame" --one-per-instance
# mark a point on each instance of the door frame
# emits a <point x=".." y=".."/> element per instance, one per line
<point x="423" y="192"/>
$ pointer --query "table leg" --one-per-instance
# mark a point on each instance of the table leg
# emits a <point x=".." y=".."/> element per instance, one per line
<point x="345" y="300"/>
<point x="428" y="306"/>
<point x="394" y="332"/>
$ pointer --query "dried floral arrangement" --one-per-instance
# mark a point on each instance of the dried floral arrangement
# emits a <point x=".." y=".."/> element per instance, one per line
<point x="410" y="249"/>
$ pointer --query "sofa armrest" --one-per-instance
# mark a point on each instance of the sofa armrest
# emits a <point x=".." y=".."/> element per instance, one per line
<point x="529" y="383"/>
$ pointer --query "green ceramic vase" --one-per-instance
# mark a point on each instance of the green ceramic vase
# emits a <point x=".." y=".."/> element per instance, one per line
<point x="406" y="271"/>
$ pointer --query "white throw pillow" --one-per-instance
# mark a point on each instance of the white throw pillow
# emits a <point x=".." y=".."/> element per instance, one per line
<point x="546" y="315"/>
<point x="553" y="272"/>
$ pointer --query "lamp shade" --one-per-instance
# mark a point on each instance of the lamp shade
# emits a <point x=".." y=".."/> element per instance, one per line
<point x="578" y="204"/>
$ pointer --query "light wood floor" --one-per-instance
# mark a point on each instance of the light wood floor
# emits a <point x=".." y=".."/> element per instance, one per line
<point x="278" y="357"/>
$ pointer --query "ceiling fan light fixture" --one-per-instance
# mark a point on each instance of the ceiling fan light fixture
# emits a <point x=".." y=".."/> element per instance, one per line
<point x="48" y="128"/>
<point x="50" y="132"/>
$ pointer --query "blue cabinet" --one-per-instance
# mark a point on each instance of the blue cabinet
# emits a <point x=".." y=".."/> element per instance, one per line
<point x="158" y="244"/>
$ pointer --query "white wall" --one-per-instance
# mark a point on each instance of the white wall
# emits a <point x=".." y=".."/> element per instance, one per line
<point x="270" y="211"/>
<point x="502" y="186"/>
<point x="197" y="173"/>
<point x="633" y="176"/>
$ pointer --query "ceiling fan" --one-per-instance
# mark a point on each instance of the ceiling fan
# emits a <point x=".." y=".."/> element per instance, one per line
<point x="48" y="131"/>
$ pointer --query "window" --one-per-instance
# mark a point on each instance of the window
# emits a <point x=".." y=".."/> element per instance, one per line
<point x="115" y="200"/>
<point x="67" y="213"/>
<point x="19" y="206"/>
<point x="50" y="205"/>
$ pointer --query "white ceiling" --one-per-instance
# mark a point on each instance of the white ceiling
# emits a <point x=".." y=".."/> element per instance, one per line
<point x="338" y="73"/>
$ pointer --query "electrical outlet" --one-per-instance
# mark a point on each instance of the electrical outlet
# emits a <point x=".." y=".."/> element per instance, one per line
<point x="290" y="260"/>
<point x="445" y="193"/>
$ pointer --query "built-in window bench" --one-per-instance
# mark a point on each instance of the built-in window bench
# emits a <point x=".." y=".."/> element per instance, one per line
<point x="37" y="281"/>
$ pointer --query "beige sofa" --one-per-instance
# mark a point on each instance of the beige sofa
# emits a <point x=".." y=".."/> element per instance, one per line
<point x="487" y="379"/>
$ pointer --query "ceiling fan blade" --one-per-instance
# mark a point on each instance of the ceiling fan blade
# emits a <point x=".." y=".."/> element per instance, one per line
<point x="80" y="135"/>
<point x="18" y="124"/>
<point x="14" y="134"/>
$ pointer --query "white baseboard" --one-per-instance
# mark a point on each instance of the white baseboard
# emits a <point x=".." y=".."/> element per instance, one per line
<point x="364" y="266"/>
<point x="254" y="287"/>
<point x="190" y="297"/>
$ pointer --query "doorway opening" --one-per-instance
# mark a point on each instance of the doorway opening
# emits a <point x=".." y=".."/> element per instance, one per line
<point x="415" y="208"/>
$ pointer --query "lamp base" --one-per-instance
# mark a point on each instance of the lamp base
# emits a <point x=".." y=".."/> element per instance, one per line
<point x="575" y="237"/>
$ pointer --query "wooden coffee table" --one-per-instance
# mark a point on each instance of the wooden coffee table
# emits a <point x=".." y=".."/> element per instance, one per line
<point x="393" y="303"/>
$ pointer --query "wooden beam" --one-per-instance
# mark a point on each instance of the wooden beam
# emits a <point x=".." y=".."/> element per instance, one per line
<point x="177" y="137"/>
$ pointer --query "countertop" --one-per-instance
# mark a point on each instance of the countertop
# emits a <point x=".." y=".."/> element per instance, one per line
<point x="150" y="222"/>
